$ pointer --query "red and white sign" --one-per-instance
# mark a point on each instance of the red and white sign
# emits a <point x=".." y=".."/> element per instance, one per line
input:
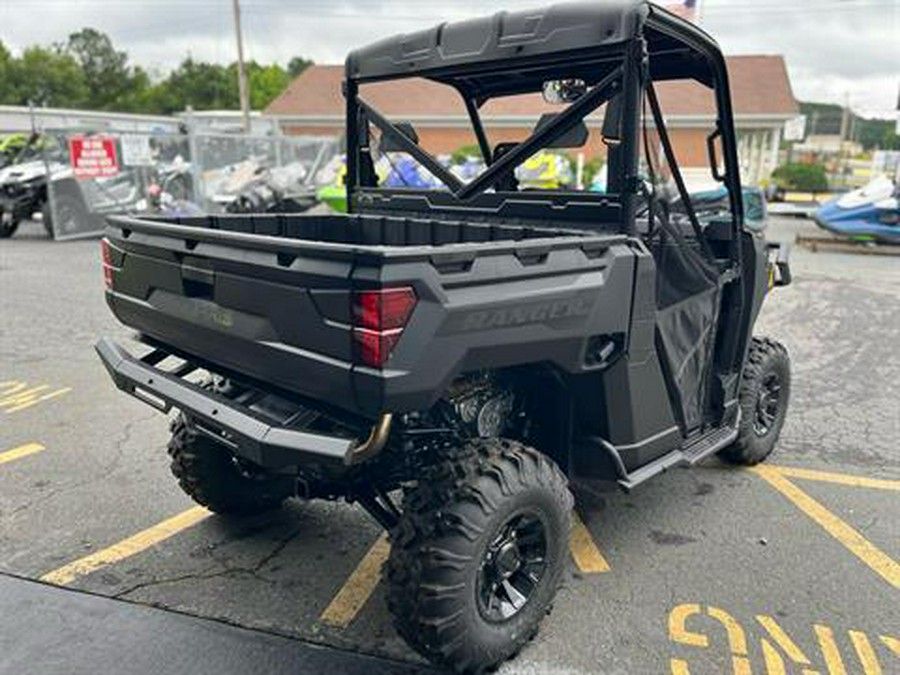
<point x="93" y="156"/>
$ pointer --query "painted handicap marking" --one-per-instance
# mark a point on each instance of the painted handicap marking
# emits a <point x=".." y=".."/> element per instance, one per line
<point x="16" y="395"/>
<point x="876" y="559"/>
<point x="776" y="646"/>
<point x="20" y="452"/>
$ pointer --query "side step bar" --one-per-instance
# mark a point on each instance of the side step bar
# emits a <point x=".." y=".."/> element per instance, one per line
<point x="227" y="421"/>
<point x="689" y="454"/>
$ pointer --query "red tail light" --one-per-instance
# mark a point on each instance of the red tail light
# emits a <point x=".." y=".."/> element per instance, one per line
<point x="379" y="317"/>
<point x="108" y="267"/>
<point x="384" y="309"/>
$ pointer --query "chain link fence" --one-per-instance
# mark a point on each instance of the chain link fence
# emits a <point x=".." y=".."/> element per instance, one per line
<point x="77" y="177"/>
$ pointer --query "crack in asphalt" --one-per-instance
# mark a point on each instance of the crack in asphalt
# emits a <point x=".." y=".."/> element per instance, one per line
<point x="230" y="570"/>
<point x="102" y="475"/>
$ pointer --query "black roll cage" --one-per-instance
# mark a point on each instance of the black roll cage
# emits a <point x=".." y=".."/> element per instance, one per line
<point x="677" y="50"/>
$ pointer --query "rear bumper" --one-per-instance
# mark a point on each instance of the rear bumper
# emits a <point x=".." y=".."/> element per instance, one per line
<point x="250" y="437"/>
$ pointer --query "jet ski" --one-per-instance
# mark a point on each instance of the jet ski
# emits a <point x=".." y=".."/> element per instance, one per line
<point x="871" y="213"/>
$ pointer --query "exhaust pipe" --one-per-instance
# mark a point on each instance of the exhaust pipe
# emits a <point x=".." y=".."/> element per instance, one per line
<point x="376" y="441"/>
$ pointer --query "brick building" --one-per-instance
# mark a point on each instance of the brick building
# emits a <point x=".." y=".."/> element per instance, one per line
<point x="761" y="94"/>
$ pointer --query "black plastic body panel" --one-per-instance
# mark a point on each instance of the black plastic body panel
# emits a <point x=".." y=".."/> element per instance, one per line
<point x="277" y="309"/>
<point x="508" y="36"/>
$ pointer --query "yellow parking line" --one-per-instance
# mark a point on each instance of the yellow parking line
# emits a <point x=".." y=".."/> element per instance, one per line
<point x="839" y="478"/>
<point x="359" y="586"/>
<point x="892" y="643"/>
<point x="21" y="451"/>
<point x="867" y="657"/>
<point x="585" y="552"/>
<point x="878" y="561"/>
<point x="127" y="547"/>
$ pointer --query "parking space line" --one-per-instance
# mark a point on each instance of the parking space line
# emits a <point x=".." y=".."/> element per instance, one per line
<point x="359" y="586"/>
<point x="127" y="547"/>
<point x="16" y="396"/>
<point x="584" y="550"/>
<point x="838" y="478"/>
<point x="877" y="560"/>
<point x="21" y="451"/>
<point x="361" y="583"/>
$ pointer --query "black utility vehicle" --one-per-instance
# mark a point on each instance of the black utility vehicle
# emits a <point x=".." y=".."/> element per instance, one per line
<point x="453" y="358"/>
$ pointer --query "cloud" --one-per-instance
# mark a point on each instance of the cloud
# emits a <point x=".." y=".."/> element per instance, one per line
<point x="832" y="47"/>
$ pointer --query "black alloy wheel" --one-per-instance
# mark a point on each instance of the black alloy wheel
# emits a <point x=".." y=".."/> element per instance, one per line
<point x="513" y="566"/>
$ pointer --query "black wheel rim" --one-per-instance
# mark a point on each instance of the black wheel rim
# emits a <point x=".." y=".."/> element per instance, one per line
<point x="512" y="568"/>
<point x="768" y="400"/>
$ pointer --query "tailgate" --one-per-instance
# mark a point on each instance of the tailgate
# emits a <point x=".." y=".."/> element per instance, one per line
<point x="267" y="314"/>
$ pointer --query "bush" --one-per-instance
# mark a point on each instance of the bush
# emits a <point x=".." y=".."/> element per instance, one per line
<point x="805" y="177"/>
<point x="591" y="168"/>
<point x="460" y="155"/>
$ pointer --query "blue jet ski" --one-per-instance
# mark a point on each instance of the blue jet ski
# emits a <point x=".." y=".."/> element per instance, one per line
<point x="871" y="213"/>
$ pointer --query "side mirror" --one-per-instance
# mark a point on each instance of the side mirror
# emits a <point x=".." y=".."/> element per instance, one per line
<point x="563" y="91"/>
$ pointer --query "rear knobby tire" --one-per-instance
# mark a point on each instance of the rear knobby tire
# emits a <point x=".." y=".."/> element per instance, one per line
<point x="484" y="509"/>
<point x="213" y="477"/>
<point x="764" y="395"/>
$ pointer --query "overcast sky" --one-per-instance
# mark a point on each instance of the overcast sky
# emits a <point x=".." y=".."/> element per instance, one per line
<point x="834" y="48"/>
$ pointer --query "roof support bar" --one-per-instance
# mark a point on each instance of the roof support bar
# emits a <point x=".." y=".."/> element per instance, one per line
<point x="478" y="127"/>
<point x="401" y="139"/>
<point x="672" y="161"/>
<point x="556" y="128"/>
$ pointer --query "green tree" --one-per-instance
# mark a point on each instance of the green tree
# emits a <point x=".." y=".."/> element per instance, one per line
<point x="47" y="77"/>
<point x="297" y="65"/>
<point x="88" y="71"/>
<point x="266" y="82"/>
<point x="878" y="134"/>
<point x="106" y="71"/>
<point x="203" y="86"/>
<point x="6" y="74"/>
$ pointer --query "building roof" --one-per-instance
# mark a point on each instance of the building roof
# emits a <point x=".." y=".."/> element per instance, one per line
<point x="760" y="87"/>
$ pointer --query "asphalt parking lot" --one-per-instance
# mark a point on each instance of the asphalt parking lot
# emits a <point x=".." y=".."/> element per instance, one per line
<point x="794" y="567"/>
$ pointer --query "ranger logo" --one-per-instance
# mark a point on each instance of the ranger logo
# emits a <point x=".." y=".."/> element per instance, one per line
<point x="549" y="312"/>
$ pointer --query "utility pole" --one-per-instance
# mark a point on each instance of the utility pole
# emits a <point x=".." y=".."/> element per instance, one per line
<point x="243" y="89"/>
<point x="845" y="117"/>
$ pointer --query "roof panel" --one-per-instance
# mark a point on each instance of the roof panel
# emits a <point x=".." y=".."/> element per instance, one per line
<point x="517" y="35"/>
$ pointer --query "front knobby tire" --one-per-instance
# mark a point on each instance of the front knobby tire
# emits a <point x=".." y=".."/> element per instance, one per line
<point x="213" y="477"/>
<point x="478" y="554"/>
<point x="8" y="225"/>
<point x="764" y="396"/>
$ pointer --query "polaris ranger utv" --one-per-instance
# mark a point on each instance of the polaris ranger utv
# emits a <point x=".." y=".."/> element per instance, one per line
<point x="453" y="358"/>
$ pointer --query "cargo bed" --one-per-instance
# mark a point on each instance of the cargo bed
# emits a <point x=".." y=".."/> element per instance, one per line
<point x="269" y="297"/>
